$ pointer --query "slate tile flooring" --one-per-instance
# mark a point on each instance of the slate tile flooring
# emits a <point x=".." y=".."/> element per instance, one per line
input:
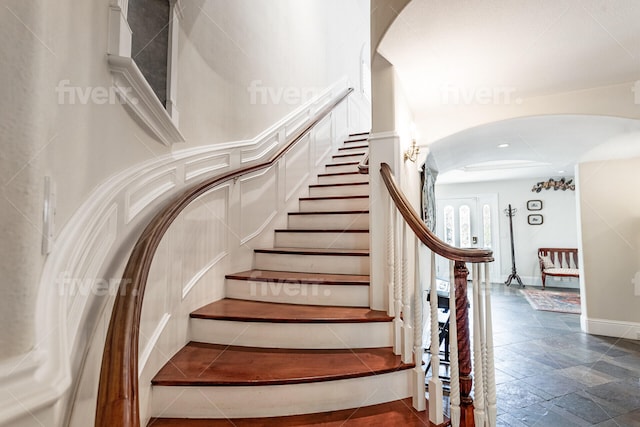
<point x="550" y="374"/>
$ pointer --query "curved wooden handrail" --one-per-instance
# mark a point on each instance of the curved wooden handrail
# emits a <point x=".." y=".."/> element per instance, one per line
<point x="420" y="229"/>
<point x="117" y="403"/>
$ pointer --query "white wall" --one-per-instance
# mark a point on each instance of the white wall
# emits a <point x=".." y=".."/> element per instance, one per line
<point x="559" y="228"/>
<point x="610" y="234"/>
<point x="223" y="47"/>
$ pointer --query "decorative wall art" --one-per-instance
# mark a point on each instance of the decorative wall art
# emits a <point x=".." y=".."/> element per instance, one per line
<point x="534" y="205"/>
<point x="563" y="184"/>
<point x="535" y="219"/>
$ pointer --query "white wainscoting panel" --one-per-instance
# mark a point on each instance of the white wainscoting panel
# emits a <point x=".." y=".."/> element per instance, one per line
<point x="148" y="190"/>
<point x="205" y="166"/>
<point x="296" y="168"/>
<point x="323" y="139"/>
<point x="203" y="228"/>
<point x="258" y="202"/>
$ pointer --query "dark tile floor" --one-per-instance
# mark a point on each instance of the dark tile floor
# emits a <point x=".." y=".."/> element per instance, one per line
<point x="549" y="373"/>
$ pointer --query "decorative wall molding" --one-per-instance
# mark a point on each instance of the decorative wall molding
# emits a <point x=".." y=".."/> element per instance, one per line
<point x="50" y="374"/>
<point x="206" y="165"/>
<point x="145" y="192"/>
<point x="136" y="94"/>
<point x="256" y="214"/>
<point x="153" y="340"/>
<point x="140" y="100"/>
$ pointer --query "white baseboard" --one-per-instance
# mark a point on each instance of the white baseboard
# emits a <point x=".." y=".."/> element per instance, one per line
<point x="610" y="328"/>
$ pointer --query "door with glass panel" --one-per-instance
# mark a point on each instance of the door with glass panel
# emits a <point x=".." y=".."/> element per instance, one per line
<point x="469" y="222"/>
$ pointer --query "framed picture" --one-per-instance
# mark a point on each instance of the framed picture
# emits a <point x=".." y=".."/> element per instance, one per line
<point x="535" y="219"/>
<point x="534" y="205"/>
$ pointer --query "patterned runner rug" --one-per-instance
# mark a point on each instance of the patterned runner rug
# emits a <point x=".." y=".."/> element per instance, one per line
<point x="561" y="302"/>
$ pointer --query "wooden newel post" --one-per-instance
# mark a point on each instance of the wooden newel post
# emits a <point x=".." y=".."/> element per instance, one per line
<point x="464" y="345"/>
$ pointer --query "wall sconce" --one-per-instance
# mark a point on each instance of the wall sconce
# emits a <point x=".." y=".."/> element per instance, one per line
<point x="412" y="152"/>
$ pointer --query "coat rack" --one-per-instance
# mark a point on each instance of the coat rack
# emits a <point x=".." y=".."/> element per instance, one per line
<point x="514" y="274"/>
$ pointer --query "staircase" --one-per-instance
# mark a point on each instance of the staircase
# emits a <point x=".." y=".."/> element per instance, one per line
<point x="294" y="343"/>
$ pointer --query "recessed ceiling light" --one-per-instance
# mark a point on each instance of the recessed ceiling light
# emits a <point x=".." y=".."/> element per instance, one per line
<point x="503" y="145"/>
<point x="560" y="171"/>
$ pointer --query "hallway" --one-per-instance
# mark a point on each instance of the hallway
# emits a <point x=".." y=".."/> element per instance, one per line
<point x="550" y="374"/>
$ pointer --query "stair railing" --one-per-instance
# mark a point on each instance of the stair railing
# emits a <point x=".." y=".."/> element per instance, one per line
<point x="118" y="401"/>
<point x="406" y="306"/>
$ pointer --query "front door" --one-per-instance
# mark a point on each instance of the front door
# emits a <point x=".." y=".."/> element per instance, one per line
<point x="468" y="222"/>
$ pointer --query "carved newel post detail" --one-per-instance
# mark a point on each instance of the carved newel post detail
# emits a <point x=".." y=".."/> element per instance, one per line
<point x="464" y="344"/>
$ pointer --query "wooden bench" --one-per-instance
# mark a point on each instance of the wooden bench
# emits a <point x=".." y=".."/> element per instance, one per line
<point x="560" y="262"/>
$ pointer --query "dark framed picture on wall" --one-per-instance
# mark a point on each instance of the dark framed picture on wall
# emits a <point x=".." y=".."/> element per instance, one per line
<point x="535" y="219"/>
<point x="534" y="205"/>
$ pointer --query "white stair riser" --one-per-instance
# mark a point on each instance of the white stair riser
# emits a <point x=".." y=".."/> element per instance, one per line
<point x="350" y="221"/>
<point x="293" y="335"/>
<point x="355" y="157"/>
<point x="342" y="179"/>
<point x="341" y="168"/>
<point x="279" y="400"/>
<point x="331" y="264"/>
<point x="343" y="190"/>
<point x="334" y="205"/>
<point x="324" y="240"/>
<point x="299" y="293"/>
<point x="352" y="147"/>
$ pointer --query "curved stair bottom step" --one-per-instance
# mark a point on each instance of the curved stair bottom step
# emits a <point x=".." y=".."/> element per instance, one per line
<point x="279" y="400"/>
<point x="392" y="414"/>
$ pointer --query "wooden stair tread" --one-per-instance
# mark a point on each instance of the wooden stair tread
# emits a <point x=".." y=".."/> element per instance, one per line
<point x="334" y="197"/>
<point x="256" y="311"/>
<point x="365" y="212"/>
<point x="342" y="164"/>
<point x="352" y="147"/>
<point x="392" y="414"/>
<point x="338" y="174"/>
<point x="338" y="156"/>
<point x="314" y="251"/>
<point x="311" y="230"/>
<point x="296" y="277"/>
<point x="201" y="364"/>
<point x="343" y="184"/>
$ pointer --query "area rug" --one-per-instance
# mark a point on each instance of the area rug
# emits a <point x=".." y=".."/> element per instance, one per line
<point x="561" y="302"/>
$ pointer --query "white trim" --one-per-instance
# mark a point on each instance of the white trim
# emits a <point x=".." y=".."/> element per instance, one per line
<point x="153" y="340"/>
<point x="149" y="190"/>
<point x="138" y="97"/>
<point x="141" y="101"/>
<point x="610" y="328"/>
<point x="196" y="278"/>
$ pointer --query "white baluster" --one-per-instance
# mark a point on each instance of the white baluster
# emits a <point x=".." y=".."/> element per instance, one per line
<point x="397" y="286"/>
<point x="479" y="414"/>
<point x="407" y="332"/>
<point x="419" y="398"/>
<point x="491" y="371"/>
<point x="436" y="413"/>
<point x="391" y="309"/>
<point x="454" y="395"/>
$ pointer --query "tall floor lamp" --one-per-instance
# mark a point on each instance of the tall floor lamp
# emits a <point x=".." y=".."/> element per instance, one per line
<point x="514" y="274"/>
